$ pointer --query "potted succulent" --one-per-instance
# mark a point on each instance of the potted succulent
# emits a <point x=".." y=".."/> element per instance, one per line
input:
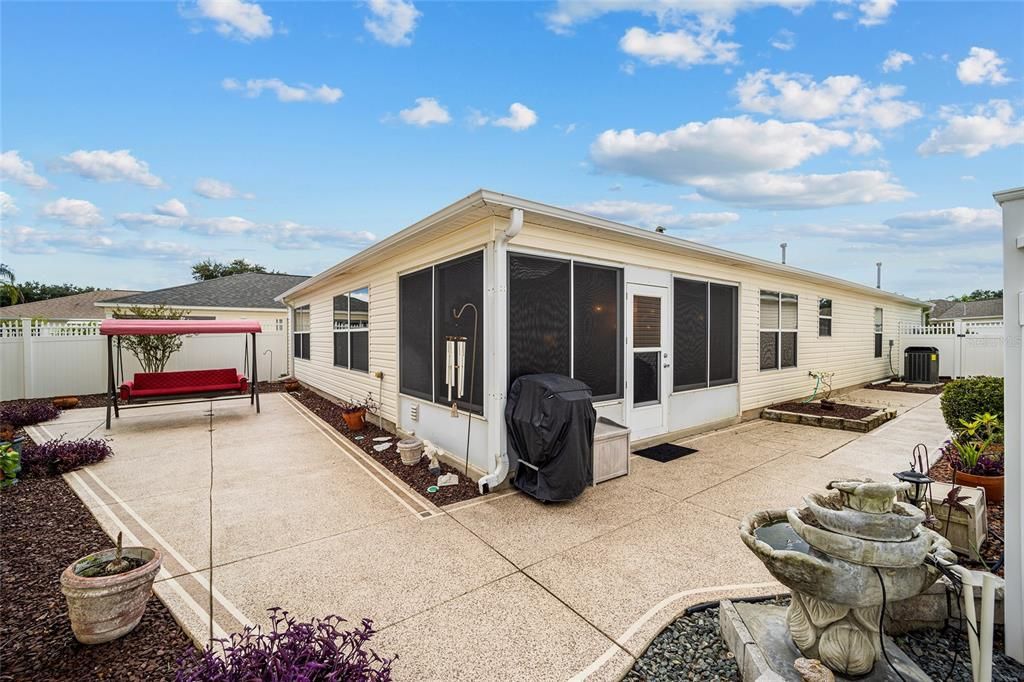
<point x="107" y="591"/>
<point x="977" y="455"/>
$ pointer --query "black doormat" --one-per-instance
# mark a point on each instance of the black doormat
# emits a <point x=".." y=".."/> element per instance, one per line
<point x="665" y="452"/>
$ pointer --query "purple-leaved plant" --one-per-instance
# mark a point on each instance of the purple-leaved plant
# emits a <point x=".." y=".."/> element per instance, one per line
<point x="27" y="414"/>
<point x="989" y="463"/>
<point x="290" y="651"/>
<point x="60" y="456"/>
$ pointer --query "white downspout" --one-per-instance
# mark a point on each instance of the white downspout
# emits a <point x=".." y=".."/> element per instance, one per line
<point x="499" y="356"/>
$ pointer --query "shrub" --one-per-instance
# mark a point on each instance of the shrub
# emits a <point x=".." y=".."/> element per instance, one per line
<point x="320" y="650"/>
<point x="964" y="398"/>
<point x="10" y="465"/>
<point x="60" y="456"/>
<point x="27" y="414"/>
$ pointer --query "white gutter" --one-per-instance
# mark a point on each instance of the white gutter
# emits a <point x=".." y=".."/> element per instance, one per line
<point x="496" y="436"/>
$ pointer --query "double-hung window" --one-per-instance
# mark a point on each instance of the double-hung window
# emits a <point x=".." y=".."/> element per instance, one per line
<point x="427" y="302"/>
<point x="351" y="326"/>
<point x="779" y="316"/>
<point x="565" y="317"/>
<point x="824" y="317"/>
<point x="704" y="334"/>
<point x="878" y="332"/>
<point x="300" y="336"/>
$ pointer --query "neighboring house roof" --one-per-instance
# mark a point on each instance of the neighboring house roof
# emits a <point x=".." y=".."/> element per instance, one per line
<point x="74" y="307"/>
<point x="952" y="310"/>
<point x="485" y="203"/>
<point x="245" y="290"/>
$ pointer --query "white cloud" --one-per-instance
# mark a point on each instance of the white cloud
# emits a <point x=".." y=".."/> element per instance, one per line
<point x="237" y="18"/>
<point x="794" y="191"/>
<point x="393" y="21"/>
<point x="141" y="221"/>
<point x="718" y="147"/>
<point x="7" y="206"/>
<point x="712" y="219"/>
<point x="679" y="48"/>
<point x="692" y="196"/>
<point x="845" y="101"/>
<point x="173" y="208"/>
<point x="647" y="214"/>
<point x="784" y="40"/>
<point x="896" y="60"/>
<point x="302" y="92"/>
<point x="864" y="143"/>
<point x="982" y="66"/>
<point x="628" y="68"/>
<point x="16" y="169"/>
<point x="968" y="178"/>
<point x="289" y="235"/>
<point x="569" y="129"/>
<point x="73" y="212"/>
<point x="569" y="13"/>
<point x="106" y="166"/>
<point x="960" y="218"/>
<point x="427" y="112"/>
<point x="988" y="126"/>
<point x="875" y="12"/>
<point x="211" y="188"/>
<point x="228" y="225"/>
<point x="520" y="117"/>
<point x="29" y="240"/>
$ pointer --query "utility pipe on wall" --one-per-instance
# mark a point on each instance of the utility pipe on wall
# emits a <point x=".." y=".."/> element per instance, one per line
<point x="878" y="281"/>
<point x="499" y="343"/>
<point x="783" y="246"/>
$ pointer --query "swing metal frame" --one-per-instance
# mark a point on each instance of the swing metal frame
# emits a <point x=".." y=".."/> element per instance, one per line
<point x="114" y="328"/>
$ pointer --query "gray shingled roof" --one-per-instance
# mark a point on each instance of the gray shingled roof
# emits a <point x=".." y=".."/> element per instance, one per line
<point x="245" y="290"/>
<point x="951" y="310"/>
<point x="74" y="307"/>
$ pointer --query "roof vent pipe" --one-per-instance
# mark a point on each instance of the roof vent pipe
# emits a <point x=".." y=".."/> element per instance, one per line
<point x="515" y="224"/>
<point x="878" y="280"/>
<point x="783" y="246"/>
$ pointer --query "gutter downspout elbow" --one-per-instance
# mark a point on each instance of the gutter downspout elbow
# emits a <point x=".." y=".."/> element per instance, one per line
<point x="515" y="224"/>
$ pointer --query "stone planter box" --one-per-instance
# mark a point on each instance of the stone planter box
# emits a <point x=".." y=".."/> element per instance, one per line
<point x="868" y="423"/>
<point x="964" y="529"/>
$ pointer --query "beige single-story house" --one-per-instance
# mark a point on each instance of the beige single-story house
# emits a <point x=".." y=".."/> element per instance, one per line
<point x="245" y="296"/>
<point x="81" y="306"/>
<point x="671" y="335"/>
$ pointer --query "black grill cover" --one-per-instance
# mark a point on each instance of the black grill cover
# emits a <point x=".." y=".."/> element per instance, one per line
<point x="550" y="421"/>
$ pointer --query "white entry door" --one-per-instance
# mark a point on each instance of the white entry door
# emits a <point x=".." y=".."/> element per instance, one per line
<point x="648" y="366"/>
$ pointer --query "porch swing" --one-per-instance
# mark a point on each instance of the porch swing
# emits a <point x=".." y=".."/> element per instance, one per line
<point x="154" y="389"/>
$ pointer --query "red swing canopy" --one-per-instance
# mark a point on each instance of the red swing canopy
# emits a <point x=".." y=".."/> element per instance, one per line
<point x="151" y="327"/>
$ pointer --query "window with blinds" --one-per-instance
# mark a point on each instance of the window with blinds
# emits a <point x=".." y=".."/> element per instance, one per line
<point x="779" y="317"/>
<point x="300" y="336"/>
<point x="646" y="322"/>
<point x="878" y="332"/>
<point x="351" y="326"/>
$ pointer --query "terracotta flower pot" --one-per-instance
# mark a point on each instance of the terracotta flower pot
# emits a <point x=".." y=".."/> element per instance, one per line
<point x="104" y="608"/>
<point x="993" y="485"/>
<point x="65" y="403"/>
<point x="354" y="419"/>
<point x="292" y="386"/>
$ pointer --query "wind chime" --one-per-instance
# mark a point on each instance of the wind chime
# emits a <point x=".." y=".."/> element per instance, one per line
<point x="455" y="370"/>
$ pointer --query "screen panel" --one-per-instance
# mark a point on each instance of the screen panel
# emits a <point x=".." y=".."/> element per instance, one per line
<point x="723" y="362"/>
<point x="538" y="316"/>
<point x="646" y="378"/>
<point x="341" y="349"/>
<point x="788" y="350"/>
<point x="769" y="350"/>
<point x="456" y="283"/>
<point x="689" y="334"/>
<point x="415" y="327"/>
<point x="360" y="345"/>
<point x="597" y="331"/>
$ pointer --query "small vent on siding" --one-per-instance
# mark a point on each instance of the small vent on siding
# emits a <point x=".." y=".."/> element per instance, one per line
<point x="414" y="412"/>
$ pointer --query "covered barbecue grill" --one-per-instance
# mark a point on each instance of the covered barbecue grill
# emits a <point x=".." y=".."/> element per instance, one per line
<point x="550" y="421"/>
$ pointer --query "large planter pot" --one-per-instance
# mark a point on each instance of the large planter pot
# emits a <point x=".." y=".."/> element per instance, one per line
<point x="104" y="608"/>
<point x="993" y="485"/>
<point x="292" y="386"/>
<point x="354" y="419"/>
<point x="65" y="403"/>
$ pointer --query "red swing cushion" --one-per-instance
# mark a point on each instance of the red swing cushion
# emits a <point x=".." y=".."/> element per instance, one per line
<point x="150" y="384"/>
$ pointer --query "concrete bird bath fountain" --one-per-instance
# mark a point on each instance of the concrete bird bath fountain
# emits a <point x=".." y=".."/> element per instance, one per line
<point x="843" y="555"/>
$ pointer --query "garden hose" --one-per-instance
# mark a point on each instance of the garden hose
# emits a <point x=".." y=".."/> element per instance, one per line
<point x="817" y="385"/>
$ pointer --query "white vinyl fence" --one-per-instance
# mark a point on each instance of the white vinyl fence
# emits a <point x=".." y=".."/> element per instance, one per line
<point x="965" y="348"/>
<point x="70" y="358"/>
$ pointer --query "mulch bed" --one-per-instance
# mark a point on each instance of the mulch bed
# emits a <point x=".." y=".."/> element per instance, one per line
<point x="416" y="477"/>
<point x="910" y="388"/>
<point x="992" y="549"/>
<point x="841" y="410"/>
<point x="45" y="528"/>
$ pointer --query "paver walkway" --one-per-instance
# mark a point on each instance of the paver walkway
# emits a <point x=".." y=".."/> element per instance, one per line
<point x="502" y="587"/>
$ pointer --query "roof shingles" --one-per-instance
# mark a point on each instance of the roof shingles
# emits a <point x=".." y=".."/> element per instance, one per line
<point x="245" y="290"/>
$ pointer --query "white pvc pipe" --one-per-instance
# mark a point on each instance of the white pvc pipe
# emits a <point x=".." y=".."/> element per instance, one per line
<point x="988" y="606"/>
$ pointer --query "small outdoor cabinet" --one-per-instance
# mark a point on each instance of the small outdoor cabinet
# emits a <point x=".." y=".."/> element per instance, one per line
<point x="611" y="450"/>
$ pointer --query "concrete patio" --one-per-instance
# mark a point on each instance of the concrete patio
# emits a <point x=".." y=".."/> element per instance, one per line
<point x="501" y="587"/>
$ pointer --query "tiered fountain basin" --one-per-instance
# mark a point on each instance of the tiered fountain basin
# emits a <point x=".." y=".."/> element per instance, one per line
<point x="836" y="553"/>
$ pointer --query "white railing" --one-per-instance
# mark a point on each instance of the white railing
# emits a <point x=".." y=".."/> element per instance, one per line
<point x="70" y="358"/>
<point x="937" y="329"/>
<point x="964" y="348"/>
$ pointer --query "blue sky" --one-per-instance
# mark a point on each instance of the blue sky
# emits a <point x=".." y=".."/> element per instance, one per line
<point x="140" y="137"/>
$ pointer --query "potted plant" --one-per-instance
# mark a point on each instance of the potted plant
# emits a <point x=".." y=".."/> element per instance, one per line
<point x="66" y="402"/>
<point x="107" y="591"/>
<point x="10" y="462"/>
<point x="978" y="459"/>
<point x="291" y="385"/>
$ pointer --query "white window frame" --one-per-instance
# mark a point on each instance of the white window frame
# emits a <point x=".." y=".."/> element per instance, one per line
<point x="830" y="318"/>
<point x="296" y="332"/>
<point x="879" y="329"/>
<point x="349" y="331"/>
<point x="778" y="331"/>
